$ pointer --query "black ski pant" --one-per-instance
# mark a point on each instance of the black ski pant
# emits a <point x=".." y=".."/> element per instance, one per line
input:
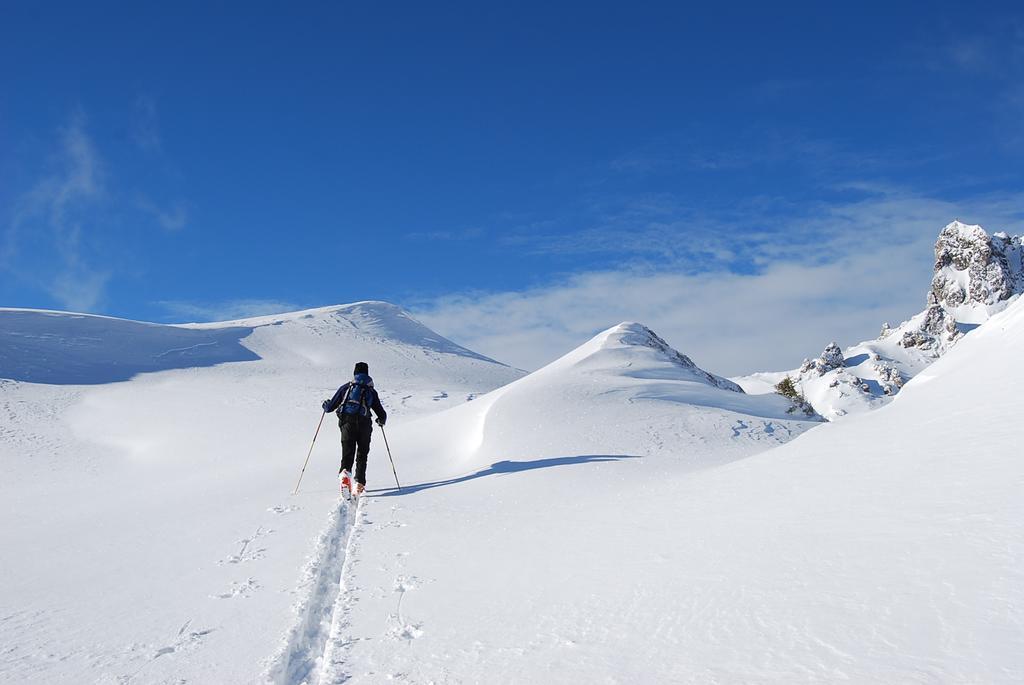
<point x="355" y="444"/>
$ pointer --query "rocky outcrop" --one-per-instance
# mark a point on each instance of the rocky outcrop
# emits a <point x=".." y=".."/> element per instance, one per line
<point x="889" y="377"/>
<point x="975" y="275"/>
<point x="974" y="269"/>
<point x="830" y="359"/>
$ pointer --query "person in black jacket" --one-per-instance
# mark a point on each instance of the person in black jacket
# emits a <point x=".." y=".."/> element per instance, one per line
<point x="353" y="403"/>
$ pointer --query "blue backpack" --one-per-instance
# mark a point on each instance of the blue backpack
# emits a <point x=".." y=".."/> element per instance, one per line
<point x="358" y="399"/>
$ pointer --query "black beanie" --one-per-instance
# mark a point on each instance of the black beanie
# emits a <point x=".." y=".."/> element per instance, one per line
<point x="362" y="367"/>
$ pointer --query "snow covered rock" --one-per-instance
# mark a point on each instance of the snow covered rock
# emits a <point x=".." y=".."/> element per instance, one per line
<point x="830" y="359"/>
<point x="976" y="276"/>
<point x="973" y="269"/>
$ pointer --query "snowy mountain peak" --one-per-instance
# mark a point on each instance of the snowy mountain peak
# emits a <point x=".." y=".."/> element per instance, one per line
<point x="67" y="348"/>
<point x="369" y="319"/>
<point x="632" y="349"/>
<point x="390" y="322"/>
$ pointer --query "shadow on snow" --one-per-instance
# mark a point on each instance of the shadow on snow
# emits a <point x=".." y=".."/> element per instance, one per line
<point x="499" y="468"/>
<point x="61" y="349"/>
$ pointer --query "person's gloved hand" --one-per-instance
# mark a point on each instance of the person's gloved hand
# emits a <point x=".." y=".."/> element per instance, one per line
<point x="326" y="404"/>
<point x="380" y="422"/>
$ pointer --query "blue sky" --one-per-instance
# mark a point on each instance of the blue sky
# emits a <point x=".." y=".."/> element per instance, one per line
<point x="520" y="175"/>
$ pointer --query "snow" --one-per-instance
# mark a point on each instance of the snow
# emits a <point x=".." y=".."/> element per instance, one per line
<point x="149" y="528"/>
<point x="622" y="393"/>
<point x="884" y="548"/>
<point x="620" y="515"/>
<point x="53" y="347"/>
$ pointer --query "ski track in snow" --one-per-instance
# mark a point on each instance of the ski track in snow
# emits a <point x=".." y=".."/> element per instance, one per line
<point x="339" y="663"/>
<point x="311" y="641"/>
<point x="333" y="665"/>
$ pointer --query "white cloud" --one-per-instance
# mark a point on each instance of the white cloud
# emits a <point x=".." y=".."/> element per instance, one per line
<point x="836" y="275"/>
<point x="728" y="323"/>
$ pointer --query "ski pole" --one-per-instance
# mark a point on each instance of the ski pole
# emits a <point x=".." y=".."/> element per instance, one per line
<point x="391" y="458"/>
<point x="310" y="451"/>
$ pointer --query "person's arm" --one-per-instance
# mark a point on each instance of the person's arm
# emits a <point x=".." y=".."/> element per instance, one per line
<point x="332" y="404"/>
<point x="378" y="409"/>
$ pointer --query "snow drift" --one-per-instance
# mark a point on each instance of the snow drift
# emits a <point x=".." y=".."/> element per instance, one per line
<point x="625" y="392"/>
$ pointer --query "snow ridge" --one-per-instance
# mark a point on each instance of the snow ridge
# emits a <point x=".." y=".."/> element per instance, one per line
<point x="638" y="334"/>
<point x="65" y="348"/>
<point x="61" y="348"/>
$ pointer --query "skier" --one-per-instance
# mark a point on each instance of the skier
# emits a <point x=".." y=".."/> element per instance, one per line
<point x="353" y="403"/>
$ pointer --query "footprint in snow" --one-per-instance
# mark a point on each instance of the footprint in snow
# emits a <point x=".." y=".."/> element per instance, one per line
<point x="239" y="589"/>
<point x="280" y="510"/>
<point x="246" y="551"/>
<point x="186" y="640"/>
<point x="406" y="583"/>
<point x="408" y="631"/>
<point x="392" y="524"/>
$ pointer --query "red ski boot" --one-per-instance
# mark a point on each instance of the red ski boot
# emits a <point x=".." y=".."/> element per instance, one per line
<point x="346" y="484"/>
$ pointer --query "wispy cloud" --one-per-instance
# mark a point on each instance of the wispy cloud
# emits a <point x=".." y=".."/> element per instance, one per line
<point x="833" y="274"/>
<point x="760" y="145"/>
<point x="227" y="310"/>
<point x="61" y="233"/>
<point x="984" y="68"/>
<point x="778" y="89"/>
<point x="145" y="125"/>
<point x="758" y="230"/>
<point x="450" y="235"/>
<point x="971" y="54"/>
<point x="171" y="219"/>
<point x="53" y="216"/>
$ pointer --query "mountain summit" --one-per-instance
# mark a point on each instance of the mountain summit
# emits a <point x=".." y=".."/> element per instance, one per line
<point x="634" y="350"/>
<point x="66" y="348"/>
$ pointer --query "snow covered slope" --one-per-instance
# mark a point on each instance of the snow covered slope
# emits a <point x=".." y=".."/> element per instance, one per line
<point x="625" y="392"/>
<point x="886" y="548"/>
<point x="514" y="499"/>
<point x="61" y="348"/>
<point x="614" y="517"/>
<point x="148" y="528"/>
<point x="976" y="276"/>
